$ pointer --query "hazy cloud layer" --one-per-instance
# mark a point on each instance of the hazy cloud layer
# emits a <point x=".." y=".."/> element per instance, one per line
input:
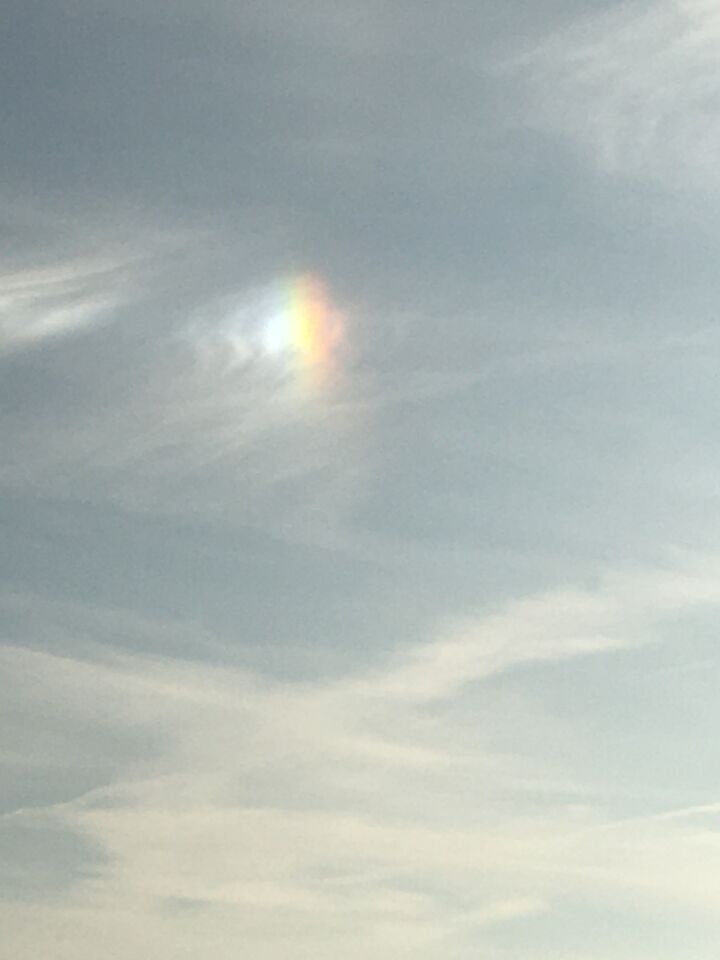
<point x="346" y="806"/>
<point x="638" y="86"/>
<point x="358" y="483"/>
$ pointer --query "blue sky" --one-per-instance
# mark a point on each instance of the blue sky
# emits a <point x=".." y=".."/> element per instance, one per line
<point x="413" y="655"/>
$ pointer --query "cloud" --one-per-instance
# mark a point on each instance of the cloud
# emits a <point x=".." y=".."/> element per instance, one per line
<point x="67" y="273"/>
<point x="637" y="88"/>
<point x="193" y="419"/>
<point x="549" y="627"/>
<point x="42" y="303"/>
<point x="347" y="804"/>
<point x="218" y="818"/>
<point x="334" y="673"/>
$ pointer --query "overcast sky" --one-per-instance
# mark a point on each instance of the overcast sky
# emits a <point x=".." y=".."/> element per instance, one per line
<point x="360" y="432"/>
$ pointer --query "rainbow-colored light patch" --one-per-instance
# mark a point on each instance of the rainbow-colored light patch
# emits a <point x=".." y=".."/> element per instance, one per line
<point x="305" y="325"/>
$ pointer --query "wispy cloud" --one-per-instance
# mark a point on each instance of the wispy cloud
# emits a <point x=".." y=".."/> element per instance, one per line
<point x="41" y="303"/>
<point x="195" y="418"/>
<point x="637" y="87"/>
<point x="548" y="627"/>
<point x="66" y="275"/>
<point x="346" y="802"/>
<point x="363" y="666"/>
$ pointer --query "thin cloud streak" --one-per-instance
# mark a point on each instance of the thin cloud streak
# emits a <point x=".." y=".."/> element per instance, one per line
<point x="38" y="304"/>
<point x="551" y="627"/>
<point x="636" y="87"/>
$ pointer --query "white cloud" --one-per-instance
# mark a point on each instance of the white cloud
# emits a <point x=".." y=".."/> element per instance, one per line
<point x="188" y="432"/>
<point x="552" y="626"/>
<point x="67" y="276"/>
<point x="346" y="806"/>
<point x="38" y="303"/>
<point x="638" y="87"/>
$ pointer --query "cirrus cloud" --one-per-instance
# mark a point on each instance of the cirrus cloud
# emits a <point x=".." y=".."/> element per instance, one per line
<point x="638" y="88"/>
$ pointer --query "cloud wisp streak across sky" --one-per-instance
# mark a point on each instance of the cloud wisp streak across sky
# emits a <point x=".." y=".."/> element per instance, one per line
<point x="40" y="303"/>
<point x="637" y="87"/>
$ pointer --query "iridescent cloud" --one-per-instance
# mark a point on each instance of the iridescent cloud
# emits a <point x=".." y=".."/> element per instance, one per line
<point x="306" y="327"/>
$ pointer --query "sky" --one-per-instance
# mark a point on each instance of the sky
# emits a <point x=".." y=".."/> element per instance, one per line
<point x="359" y="480"/>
